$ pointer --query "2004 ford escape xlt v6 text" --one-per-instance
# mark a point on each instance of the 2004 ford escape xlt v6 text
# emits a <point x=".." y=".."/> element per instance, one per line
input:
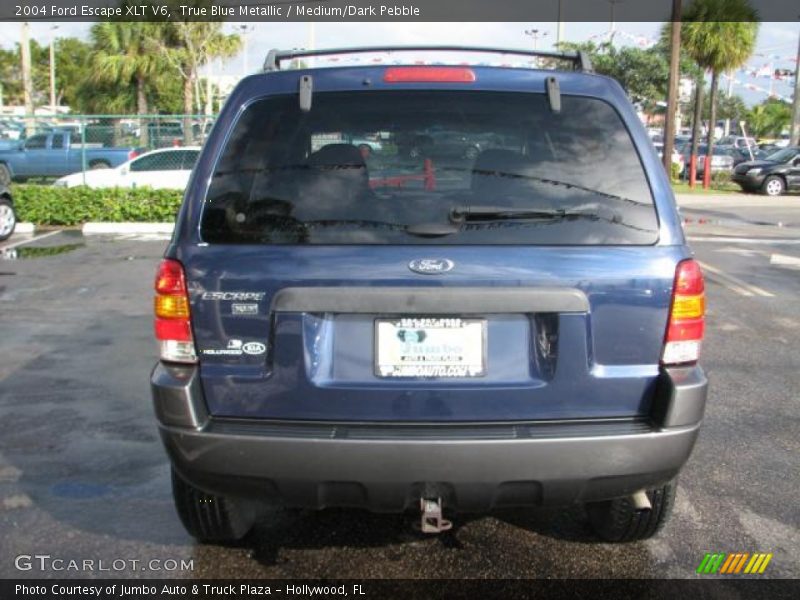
<point x="402" y="326"/>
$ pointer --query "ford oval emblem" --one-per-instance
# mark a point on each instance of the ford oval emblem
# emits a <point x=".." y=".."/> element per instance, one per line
<point x="431" y="266"/>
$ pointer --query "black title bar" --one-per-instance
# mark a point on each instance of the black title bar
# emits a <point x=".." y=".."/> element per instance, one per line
<point x="364" y="10"/>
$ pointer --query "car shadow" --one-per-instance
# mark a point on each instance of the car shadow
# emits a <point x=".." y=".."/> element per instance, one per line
<point x="301" y="529"/>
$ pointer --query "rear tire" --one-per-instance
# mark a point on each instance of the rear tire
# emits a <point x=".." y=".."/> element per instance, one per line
<point x="208" y="517"/>
<point x="618" y="521"/>
<point x="773" y="186"/>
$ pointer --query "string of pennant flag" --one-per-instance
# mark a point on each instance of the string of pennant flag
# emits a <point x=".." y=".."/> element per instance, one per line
<point x="755" y="88"/>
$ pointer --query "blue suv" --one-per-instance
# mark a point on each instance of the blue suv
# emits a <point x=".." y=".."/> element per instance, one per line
<point x="435" y="330"/>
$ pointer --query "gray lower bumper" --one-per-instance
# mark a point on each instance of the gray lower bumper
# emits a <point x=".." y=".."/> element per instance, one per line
<point x="388" y="468"/>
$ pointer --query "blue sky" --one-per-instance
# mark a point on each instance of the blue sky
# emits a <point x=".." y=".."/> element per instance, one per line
<point x="775" y="39"/>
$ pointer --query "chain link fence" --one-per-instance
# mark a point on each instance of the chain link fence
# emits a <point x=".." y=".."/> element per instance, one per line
<point x="43" y="148"/>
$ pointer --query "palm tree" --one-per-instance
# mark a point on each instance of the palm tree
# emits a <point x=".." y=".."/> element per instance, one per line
<point x="187" y="46"/>
<point x="720" y="35"/>
<point x="125" y="53"/>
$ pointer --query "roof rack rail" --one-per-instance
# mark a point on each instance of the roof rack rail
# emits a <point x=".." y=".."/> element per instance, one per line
<point x="580" y="61"/>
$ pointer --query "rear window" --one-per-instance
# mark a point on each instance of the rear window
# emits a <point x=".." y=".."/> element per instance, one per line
<point x="429" y="167"/>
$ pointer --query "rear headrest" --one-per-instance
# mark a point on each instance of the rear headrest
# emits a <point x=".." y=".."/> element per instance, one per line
<point x="337" y="175"/>
<point x="334" y="155"/>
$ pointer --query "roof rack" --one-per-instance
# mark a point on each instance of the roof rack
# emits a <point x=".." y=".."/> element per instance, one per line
<point x="580" y="61"/>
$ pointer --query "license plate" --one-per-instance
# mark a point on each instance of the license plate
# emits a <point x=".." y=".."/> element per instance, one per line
<point x="430" y="347"/>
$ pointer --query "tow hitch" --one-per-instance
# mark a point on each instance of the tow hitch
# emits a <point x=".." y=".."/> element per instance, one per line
<point x="432" y="521"/>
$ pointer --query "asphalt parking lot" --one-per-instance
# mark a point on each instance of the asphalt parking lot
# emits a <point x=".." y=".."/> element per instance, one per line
<point x="83" y="474"/>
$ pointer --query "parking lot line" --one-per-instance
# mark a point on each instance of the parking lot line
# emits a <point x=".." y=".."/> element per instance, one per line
<point x="785" y="260"/>
<point x="33" y="239"/>
<point x="734" y="283"/>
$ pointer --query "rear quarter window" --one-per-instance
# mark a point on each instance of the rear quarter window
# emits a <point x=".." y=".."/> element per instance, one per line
<point x="390" y="167"/>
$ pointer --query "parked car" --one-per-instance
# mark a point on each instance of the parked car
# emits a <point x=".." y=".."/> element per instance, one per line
<point x="741" y="155"/>
<point x="521" y="330"/>
<point x="11" y="130"/>
<point x="166" y="168"/>
<point x="367" y="145"/>
<point x="721" y="160"/>
<point x="165" y="133"/>
<point x="738" y="141"/>
<point x="677" y="157"/>
<point x="777" y="173"/>
<point x="55" y="154"/>
<point x="440" y="144"/>
<point x="680" y="140"/>
<point x="768" y="147"/>
<point x="8" y="218"/>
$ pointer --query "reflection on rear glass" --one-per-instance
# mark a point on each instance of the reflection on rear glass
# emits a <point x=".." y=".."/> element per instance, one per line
<point x="388" y="167"/>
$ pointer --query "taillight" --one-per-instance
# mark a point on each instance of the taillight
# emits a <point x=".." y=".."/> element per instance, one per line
<point x="686" y="324"/>
<point x="171" y="304"/>
<point x="133" y="154"/>
<point x="428" y="75"/>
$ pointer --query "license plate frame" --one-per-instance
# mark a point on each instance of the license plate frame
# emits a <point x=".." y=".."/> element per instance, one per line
<point x="472" y="366"/>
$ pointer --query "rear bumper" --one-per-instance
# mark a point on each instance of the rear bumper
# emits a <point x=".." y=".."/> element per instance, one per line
<point x="473" y="467"/>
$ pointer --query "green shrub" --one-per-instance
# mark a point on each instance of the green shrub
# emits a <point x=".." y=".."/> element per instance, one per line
<point x="675" y="172"/>
<point x="720" y="180"/>
<point x="49" y="205"/>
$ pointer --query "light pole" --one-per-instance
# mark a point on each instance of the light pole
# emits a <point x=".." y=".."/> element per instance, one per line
<point x="612" y="24"/>
<point x="672" y="86"/>
<point x="535" y="34"/>
<point x="53" y="68"/>
<point x="794" y="134"/>
<point x="245" y="29"/>
<point x="560" y="27"/>
<point x="27" y="81"/>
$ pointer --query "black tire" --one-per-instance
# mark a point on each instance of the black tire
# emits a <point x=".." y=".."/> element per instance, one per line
<point x="209" y="518"/>
<point x="618" y="521"/>
<point x="8" y="219"/>
<point x="5" y="175"/>
<point x="773" y="186"/>
<point x="99" y="164"/>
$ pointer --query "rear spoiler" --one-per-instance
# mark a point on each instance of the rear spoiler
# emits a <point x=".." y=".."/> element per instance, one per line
<point x="579" y="60"/>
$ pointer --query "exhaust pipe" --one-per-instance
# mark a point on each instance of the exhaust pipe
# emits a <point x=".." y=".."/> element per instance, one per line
<point x="640" y="501"/>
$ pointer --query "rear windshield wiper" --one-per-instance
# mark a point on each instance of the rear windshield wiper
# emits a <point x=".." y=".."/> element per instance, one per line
<point x="461" y="214"/>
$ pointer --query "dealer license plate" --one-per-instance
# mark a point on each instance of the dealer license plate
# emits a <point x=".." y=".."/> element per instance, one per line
<point x="430" y="347"/>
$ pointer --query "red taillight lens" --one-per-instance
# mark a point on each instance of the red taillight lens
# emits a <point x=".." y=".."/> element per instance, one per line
<point x="133" y="154"/>
<point x="686" y="325"/>
<point x="170" y="279"/>
<point x="429" y="75"/>
<point x="172" y="325"/>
